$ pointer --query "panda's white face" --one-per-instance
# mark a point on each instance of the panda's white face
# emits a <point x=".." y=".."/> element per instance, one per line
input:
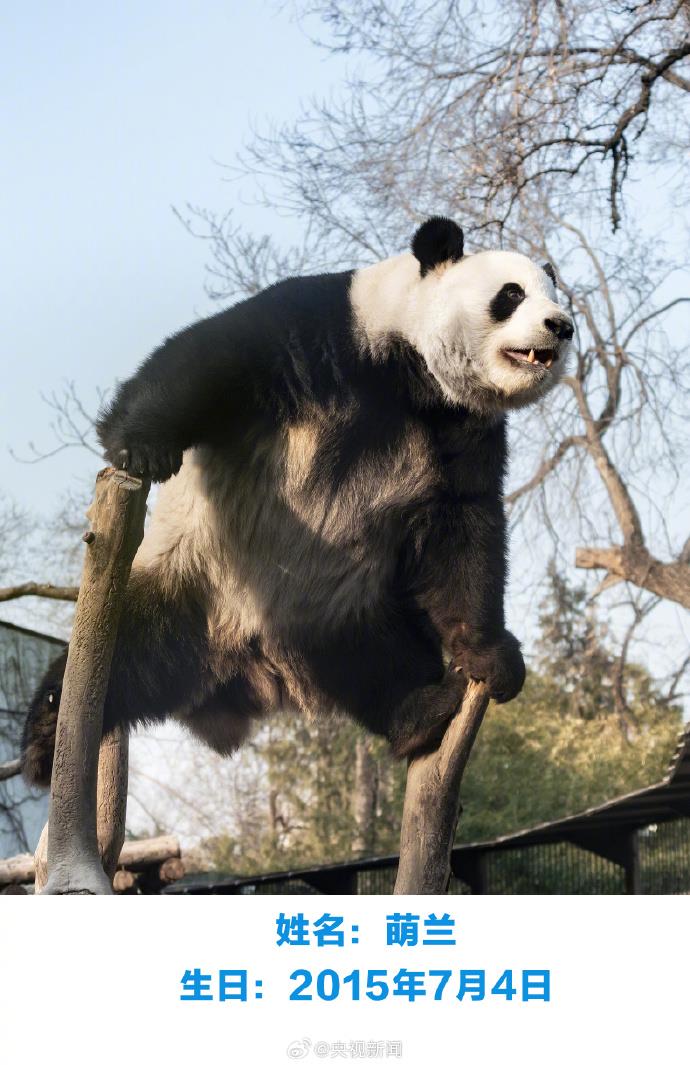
<point x="487" y="326"/>
<point x="490" y="330"/>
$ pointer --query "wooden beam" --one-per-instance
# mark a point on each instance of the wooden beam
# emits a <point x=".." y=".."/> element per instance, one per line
<point x="17" y="870"/>
<point x="432" y="801"/>
<point x="136" y="855"/>
<point x="153" y="878"/>
<point x="140" y="853"/>
<point x="123" y="881"/>
<point x="171" y="870"/>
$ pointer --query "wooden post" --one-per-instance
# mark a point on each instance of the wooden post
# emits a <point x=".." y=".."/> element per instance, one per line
<point x="41" y="861"/>
<point x="111" y="805"/>
<point x="117" y="526"/>
<point x="432" y="801"/>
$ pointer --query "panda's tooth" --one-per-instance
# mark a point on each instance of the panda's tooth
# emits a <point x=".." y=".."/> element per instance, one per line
<point x="547" y="364"/>
<point x="531" y="357"/>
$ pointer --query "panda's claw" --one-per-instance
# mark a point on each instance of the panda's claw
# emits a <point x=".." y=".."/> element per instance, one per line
<point x="499" y="665"/>
<point x="150" y="462"/>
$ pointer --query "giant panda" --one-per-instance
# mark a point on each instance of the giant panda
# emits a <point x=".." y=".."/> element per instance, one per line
<point x="329" y="534"/>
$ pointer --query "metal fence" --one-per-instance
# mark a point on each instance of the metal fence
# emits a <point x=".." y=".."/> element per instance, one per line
<point x="558" y="868"/>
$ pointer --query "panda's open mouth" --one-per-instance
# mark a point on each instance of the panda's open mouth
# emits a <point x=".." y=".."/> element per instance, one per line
<point x="538" y="358"/>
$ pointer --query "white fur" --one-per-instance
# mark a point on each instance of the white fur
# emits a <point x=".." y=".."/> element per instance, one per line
<point x="234" y="527"/>
<point x="445" y="316"/>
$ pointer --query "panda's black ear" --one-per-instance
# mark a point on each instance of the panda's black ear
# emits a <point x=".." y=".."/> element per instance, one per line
<point x="438" y="240"/>
<point x="550" y="272"/>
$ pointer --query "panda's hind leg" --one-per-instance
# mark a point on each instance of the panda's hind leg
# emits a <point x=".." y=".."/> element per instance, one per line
<point x="392" y="679"/>
<point x="159" y="666"/>
<point x="418" y="692"/>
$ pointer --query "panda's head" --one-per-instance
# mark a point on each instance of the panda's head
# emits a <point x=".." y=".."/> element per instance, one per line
<point x="487" y="325"/>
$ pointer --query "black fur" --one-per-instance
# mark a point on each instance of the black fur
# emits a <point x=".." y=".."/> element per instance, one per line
<point x="507" y="299"/>
<point x="433" y="553"/>
<point x="438" y="240"/>
<point x="550" y="273"/>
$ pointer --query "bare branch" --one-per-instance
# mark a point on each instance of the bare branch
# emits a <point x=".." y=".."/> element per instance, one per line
<point x="45" y="591"/>
<point x="545" y="468"/>
<point x="10" y="769"/>
<point x="668" y="580"/>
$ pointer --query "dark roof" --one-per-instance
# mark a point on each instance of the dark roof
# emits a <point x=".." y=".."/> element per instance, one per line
<point x="598" y="828"/>
<point x="32" y="632"/>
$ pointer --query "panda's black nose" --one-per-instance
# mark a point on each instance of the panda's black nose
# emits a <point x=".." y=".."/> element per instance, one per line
<point x="560" y="327"/>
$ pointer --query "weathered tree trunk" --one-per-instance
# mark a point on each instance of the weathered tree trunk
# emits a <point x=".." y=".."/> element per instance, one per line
<point x="364" y="797"/>
<point x="432" y="801"/>
<point x="117" y="519"/>
<point x="137" y="855"/>
<point x="111" y="808"/>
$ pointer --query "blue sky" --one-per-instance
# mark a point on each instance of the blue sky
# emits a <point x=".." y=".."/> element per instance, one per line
<point x="112" y="114"/>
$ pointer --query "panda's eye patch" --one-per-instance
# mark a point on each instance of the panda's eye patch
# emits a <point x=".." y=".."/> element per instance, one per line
<point x="514" y="292"/>
<point x="505" y="301"/>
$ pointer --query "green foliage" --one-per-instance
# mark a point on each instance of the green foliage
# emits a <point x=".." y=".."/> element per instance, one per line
<point x="536" y="760"/>
<point x="307" y="798"/>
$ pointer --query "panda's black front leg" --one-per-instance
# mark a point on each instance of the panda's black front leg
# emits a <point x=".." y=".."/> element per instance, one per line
<point x="465" y="585"/>
<point x="190" y="391"/>
<point x="141" y="432"/>
<point x="462" y="561"/>
<point x="166" y="406"/>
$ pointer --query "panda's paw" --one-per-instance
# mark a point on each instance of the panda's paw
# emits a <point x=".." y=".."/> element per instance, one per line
<point x="500" y="665"/>
<point x="420" y="722"/>
<point x="155" y="462"/>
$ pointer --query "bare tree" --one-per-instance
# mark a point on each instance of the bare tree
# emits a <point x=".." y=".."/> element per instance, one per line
<point x="480" y="106"/>
<point x="542" y="91"/>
